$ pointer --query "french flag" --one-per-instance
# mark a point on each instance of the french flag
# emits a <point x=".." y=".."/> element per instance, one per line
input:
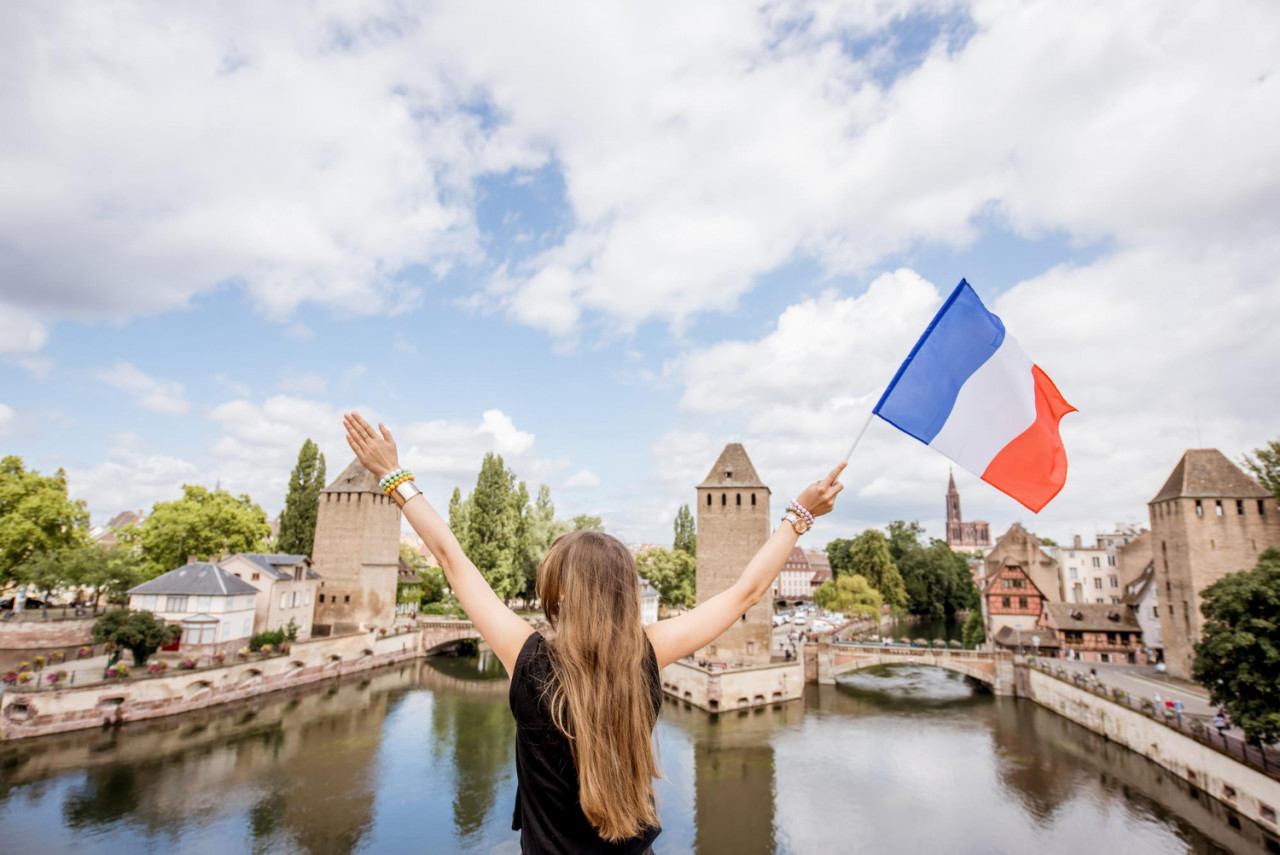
<point x="968" y="390"/>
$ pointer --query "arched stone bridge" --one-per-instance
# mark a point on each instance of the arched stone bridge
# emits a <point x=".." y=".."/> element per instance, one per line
<point x="993" y="669"/>
<point x="438" y="633"/>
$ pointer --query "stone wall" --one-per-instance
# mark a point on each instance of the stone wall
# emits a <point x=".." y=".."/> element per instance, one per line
<point x="25" y="714"/>
<point x="731" y="529"/>
<point x="357" y="555"/>
<point x="718" y="690"/>
<point x="38" y="635"/>
<point x="1244" y="789"/>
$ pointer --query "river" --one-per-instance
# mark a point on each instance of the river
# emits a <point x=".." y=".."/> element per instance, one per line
<point x="419" y="758"/>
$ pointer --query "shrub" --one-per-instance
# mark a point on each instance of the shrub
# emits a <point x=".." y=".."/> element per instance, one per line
<point x="291" y="630"/>
<point x="273" y="637"/>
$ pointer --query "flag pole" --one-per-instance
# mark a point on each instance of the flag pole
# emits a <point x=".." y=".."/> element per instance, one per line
<point x="858" y="438"/>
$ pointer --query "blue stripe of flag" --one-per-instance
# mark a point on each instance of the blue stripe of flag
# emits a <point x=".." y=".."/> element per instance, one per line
<point x="961" y="337"/>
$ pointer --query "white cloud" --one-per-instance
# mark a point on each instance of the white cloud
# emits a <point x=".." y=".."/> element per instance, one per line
<point x="131" y="477"/>
<point x="20" y="330"/>
<point x="456" y="447"/>
<point x="39" y="366"/>
<point x="6" y="419"/>
<point x="163" y="396"/>
<point x="302" y="382"/>
<point x="151" y="154"/>
<point x="582" y="479"/>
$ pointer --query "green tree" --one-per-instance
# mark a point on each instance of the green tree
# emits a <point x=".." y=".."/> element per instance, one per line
<point x="1048" y="541"/>
<point x="840" y="556"/>
<point x="851" y="594"/>
<point x="458" y="522"/>
<point x="673" y="572"/>
<point x="302" y="502"/>
<point x="1238" y="655"/>
<point x="119" y="568"/>
<point x="492" y="522"/>
<point x="586" y="522"/>
<point x="141" y="633"/>
<point x="537" y="530"/>
<point x="204" y="523"/>
<point x="686" y="539"/>
<point x="1265" y="466"/>
<point x="43" y="572"/>
<point x="937" y="580"/>
<point x="869" y="558"/>
<point x="974" y="632"/>
<point x="36" y="515"/>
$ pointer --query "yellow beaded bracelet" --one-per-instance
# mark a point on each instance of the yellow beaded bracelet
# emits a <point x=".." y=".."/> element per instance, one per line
<point x="397" y="481"/>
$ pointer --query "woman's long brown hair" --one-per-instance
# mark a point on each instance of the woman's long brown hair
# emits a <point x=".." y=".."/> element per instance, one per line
<point x="601" y="697"/>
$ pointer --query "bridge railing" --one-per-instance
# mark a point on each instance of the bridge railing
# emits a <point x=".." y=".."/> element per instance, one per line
<point x="1265" y="759"/>
<point x="893" y="650"/>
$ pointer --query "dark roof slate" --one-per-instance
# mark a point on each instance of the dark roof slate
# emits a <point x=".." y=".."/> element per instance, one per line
<point x="1093" y="617"/>
<point x="733" y="469"/>
<point x="1206" y="473"/>
<point x="354" y="479"/>
<point x="198" y="579"/>
<point x="270" y="563"/>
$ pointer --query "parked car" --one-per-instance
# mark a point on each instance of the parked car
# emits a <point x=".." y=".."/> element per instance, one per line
<point x="31" y="603"/>
<point x="799" y="621"/>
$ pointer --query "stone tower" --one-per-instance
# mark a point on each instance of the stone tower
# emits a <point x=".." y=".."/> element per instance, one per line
<point x="733" y="523"/>
<point x="357" y="553"/>
<point x="1209" y="519"/>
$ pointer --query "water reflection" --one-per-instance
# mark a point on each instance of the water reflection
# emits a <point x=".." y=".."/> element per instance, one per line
<point x="420" y="758"/>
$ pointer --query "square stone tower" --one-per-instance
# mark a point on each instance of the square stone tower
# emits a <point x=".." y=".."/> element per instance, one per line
<point x="1209" y="519"/>
<point x="356" y="553"/>
<point x="733" y="523"/>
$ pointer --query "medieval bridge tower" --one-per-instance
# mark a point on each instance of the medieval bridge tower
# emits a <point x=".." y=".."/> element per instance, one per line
<point x="733" y="523"/>
<point x="357" y="552"/>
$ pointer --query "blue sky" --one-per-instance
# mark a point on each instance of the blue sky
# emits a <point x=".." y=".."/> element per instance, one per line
<point x="605" y="244"/>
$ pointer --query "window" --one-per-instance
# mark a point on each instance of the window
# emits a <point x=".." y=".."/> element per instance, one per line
<point x="1073" y="574"/>
<point x="1262" y="507"/>
<point x="297" y="598"/>
<point x="708" y="500"/>
<point x="306" y="601"/>
<point x="347" y="598"/>
<point x="254" y="577"/>
<point x="1022" y="602"/>
<point x="1097" y="581"/>
<point x="1217" y="506"/>
<point x="149" y="602"/>
<point x="1004" y="602"/>
<point x="175" y="603"/>
<point x="1199" y="509"/>
<point x="297" y="573"/>
<point x="321" y="598"/>
<point x="1111" y="561"/>
<point x="1111" y="639"/>
<point x="738" y="500"/>
<point x="1155" y="611"/>
<point x="753" y="500"/>
<point x="1071" y="555"/>
<point x="284" y="600"/>
<point x="247" y="627"/>
<point x="203" y="604"/>
<point x="1239" y="507"/>
<point x="1097" y="562"/>
<point x="1115" y="580"/>
<point x="1115" y="600"/>
<point x="226" y="630"/>
<point x="724" y="499"/>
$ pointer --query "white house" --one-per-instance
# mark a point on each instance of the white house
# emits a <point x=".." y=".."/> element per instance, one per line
<point x="1140" y="597"/>
<point x="648" y="603"/>
<point x="211" y="605"/>
<point x="288" y="585"/>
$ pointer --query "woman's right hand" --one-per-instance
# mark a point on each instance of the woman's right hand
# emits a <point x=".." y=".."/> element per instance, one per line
<point x="376" y="450"/>
<point x="820" y="496"/>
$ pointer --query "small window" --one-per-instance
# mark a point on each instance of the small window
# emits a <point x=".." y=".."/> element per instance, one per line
<point x="347" y="598"/>
<point x="1097" y="562"/>
<point x="1239" y="507"/>
<point x="307" y="600"/>
<point x="149" y="602"/>
<point x="753" y="500"/>
<point x="1262" y="507"/>
<point x="1217" y="507"/>
<point x="254" y="577"/>
<point x="297" y="598"/>
<point x="1228" y="792"/>
<point x="1267" y="812"/>
<point x="1111" y="561"/>
<point x="321" y="598"/>
<point x="708" y="505"/>
<point x="175" y="603"/>
<point x="1199" y="509"/>
<point x="724" y="499"/>
<point x="1022" y="602"/>
<point x="1004" y="602"/>
<point x="284" y="601"/>
<point x="1115" y="580"/>
<point x="739" y="500"/>
<point x="1155" y="611"/>
<point x="1097" y="582"/>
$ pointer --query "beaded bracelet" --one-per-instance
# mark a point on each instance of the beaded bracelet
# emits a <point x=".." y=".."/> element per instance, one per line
<point x="395" y="479"/>
<point x="385" y="481"/>
<point x="802" y="510"/>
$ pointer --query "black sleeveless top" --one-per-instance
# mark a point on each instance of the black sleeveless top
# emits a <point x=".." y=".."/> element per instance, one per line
<point x="548" y="815"/>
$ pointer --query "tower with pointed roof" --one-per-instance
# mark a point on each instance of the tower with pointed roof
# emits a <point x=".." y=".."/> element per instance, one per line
<point x="1209" y="519"/>
<point x="357" y="553"/>
<point x="963" y="536"/>
<point x="733" y="523"/>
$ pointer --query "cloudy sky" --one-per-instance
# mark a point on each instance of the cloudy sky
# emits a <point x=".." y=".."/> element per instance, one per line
<point x="604" y="240"/>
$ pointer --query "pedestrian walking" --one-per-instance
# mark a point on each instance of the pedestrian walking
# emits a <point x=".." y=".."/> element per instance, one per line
<point x="1220" y="722"/>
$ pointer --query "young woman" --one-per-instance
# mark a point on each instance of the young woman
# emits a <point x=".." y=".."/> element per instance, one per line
<point x="586" y="699"/>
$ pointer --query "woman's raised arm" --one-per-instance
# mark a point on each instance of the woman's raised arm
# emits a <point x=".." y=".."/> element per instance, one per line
<point x="503" y="629"/>
<point x="678" y="637"/>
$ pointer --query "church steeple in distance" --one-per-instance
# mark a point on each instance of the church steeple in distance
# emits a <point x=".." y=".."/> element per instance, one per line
<point x="953" y="510"/>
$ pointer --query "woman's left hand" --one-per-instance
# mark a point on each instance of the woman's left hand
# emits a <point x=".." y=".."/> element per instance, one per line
<point x="377" y="453"/>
